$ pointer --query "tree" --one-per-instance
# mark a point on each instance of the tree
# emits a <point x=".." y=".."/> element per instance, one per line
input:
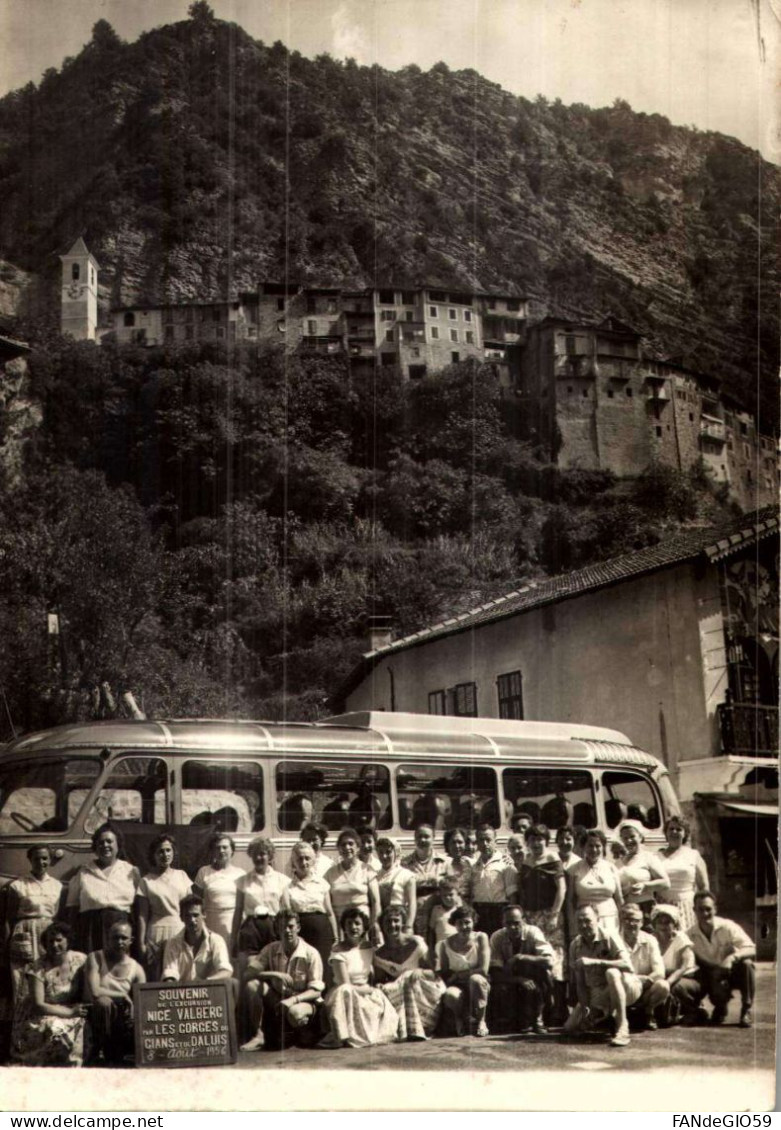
<point x="201" y="13"/>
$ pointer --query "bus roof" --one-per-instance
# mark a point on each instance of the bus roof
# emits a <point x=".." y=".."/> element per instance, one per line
<point x="373" y="733"/>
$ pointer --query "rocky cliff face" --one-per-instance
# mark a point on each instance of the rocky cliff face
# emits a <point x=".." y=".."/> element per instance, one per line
<point x="198" y="162"/>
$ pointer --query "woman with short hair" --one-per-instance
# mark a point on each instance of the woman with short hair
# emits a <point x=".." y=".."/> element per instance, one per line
<point x="594" y="882"/>
<point x="402" y="971"/>
<point x="462" y="963"/>
<point x="101" y="888"/>
<point x="428" y="866"/>
<point x="396" y="883"/>
<point x="33" y="904"/>
<point x="687" y="871"/>
<point x="459" y="865"/>
<point x="680" y="966"/>
<point x="316" y="835"/>
<point x="358" y="1014"/>
<point x="542" y="890"/>
<point x="48" y="1029"/>
<point x="216" y="884"/>
<point x="258" y="900"/>
<point x="641" y="873"/>
<point x="352" y="882"/>
<point x="159" y="894"/>
<point x="309" y="895"/>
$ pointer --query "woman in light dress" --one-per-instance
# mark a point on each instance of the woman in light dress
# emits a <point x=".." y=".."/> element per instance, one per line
<point x="359" y="1015"/>
<point x="159" y="894"/>
<point x="48" y="1028"/>
<point x="459" y="865"/>
<point x="687" y="871"/>
<point x="99" y="889"/>
<point x="396" y="883"/>
<point x="309" y="895"/>
<point x="462" y="963"/>
<point x="258" y="900"/>
<point x="542" y="890"/>
<point x="642" y="874"/>
<point x="594" y="881"/>
<point x="680" y="966"/>
<point x="216" y="884"/>
<point x="402" y="971"/>
<point x="33" y="904"/>
<point x="353" y="884"/>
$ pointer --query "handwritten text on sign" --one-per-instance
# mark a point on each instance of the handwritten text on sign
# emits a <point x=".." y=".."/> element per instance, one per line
<point x="184" y="1024"/>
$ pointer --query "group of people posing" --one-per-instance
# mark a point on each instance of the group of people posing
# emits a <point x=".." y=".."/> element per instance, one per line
<point x="377" y="946"/>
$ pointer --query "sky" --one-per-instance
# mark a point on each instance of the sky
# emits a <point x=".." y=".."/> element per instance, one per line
<point x="715" y="64"/>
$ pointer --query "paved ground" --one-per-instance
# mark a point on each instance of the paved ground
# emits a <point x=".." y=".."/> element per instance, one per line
<point x="683" y="1048"/>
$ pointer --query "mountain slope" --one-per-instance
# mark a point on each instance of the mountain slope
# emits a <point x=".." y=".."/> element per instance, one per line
<point x="198" y="161"/>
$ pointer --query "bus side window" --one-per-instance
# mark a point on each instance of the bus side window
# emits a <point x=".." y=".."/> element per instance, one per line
<point x="447" y="796"/>
<point x="133" y="791"/>
<point x="629" y="796"/>
<point x="555" y="797"/>
<point x="224" y="795"/>
<point x="336" y="795"/>
<point x="44" y="795"/>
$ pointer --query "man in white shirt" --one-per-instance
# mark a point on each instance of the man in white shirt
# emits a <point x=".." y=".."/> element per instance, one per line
<point x="725" y="956"/>
<point x="602" y="978"/>
<point x="646" y="958"/>
<point x="283" y="986"/>
<point x="494" y="882"/>
<point x="197" y="954"/>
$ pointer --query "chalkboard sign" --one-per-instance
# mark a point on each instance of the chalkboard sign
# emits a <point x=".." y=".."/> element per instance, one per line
<point x="184" y="1024"/>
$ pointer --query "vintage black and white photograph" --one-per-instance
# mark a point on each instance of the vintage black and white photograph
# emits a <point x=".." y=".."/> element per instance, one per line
<point x="389" y="534"/>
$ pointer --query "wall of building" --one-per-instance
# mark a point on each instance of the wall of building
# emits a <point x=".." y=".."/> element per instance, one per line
<point x="629" y="657"/>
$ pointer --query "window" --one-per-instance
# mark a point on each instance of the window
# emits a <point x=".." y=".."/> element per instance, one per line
<point x="435" y="333"/>
<point x="556" y="797"/>
<point x="454" y="335"/>
<point x="340" y="795"/>
<point x="570" y="343"/>
<point x="629" y="796"/>
<point x="470" y="337"/>
<point x="436" y="702"/>
<point x="447" y="796"/>
<point x="311" y="327"/>
<point x="610" y="394"/>
<point x="658" y="430"/>
<point x="409" y="315"/>
<point x="691" y="417"/>
<point x="220" y="331"/>
<point x="129" y="319"/>
<point x="311" y="304"/>
<point x="331" y="306"/>
<point x="389" y="335"/>
<point x="629" y="392"/>
<point x="387" y="315"/>
<point x="437" y="296"/>
<point x="467" y="315"/>
<point x="388" y="359"/>
<point x="509" y="688"/>
<point x="433" y="313"/>
<point x="75" y="272"/>
<point x="417" y="372"/>
<point x="743" y="430"/>
<point x="226" y="795"/>
<point x="133" y="790"/>
<point x="215" y="313"/>
<point x="280" y="304"/>
<point x="452" y="314"/>
<point x="465" y="700"/>
<point x="513" y="305"/>
<point x="455" y="357"/>
<point x="387" y="297"/>
<point x="92" y="276"/>
<point x="408" y="298"/>
<point x="585" y="392"/>
<point x="170" y="333"/>
<point x="44" y="796"/>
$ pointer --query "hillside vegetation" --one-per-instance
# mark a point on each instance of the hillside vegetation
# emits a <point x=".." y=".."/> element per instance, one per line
<point x="212" y="527"/>
<point x="198" y="161"/>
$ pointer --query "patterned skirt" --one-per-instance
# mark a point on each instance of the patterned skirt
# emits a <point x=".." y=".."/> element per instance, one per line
<point x="554" y="936"/>
<point x="685" y="904"/>
<point x="417" y="998"/>
<point x="359" y="1019"/>
<point x="48" y="1041"/>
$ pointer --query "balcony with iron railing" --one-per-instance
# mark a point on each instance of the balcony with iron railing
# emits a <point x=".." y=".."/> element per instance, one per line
<point x="712" y="428"/>
<point x="748" y="729"/>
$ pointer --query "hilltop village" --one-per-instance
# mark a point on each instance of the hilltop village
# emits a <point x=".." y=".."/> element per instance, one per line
<point x="586" y="395"/>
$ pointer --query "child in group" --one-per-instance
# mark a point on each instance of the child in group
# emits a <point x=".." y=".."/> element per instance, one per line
<point x="445" y="901"/>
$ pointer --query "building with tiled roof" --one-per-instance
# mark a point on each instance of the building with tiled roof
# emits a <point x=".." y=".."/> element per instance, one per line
<point x="675" y="645"/>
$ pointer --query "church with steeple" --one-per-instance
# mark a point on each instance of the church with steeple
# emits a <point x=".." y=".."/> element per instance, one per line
<point x="79" y="292"/>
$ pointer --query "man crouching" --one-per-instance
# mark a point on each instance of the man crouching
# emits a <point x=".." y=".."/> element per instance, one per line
<point x="520" y="970"/>
<point x="602" y="978"/>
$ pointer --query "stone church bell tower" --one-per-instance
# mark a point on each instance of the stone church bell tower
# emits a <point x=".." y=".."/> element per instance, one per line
<point x="79" y="292"/>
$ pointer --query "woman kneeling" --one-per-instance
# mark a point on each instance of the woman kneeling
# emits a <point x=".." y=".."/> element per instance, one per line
<point x="358" y="1014"/>
<point x="462" y="963"/>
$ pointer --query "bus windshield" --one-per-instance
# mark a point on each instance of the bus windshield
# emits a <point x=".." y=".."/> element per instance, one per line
<point x="45" y="795"/>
